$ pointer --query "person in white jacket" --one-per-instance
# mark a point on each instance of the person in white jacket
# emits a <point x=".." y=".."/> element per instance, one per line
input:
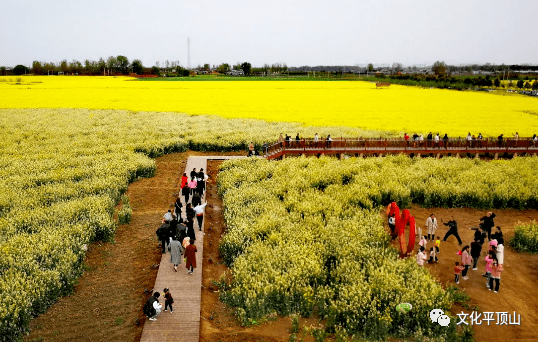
<point x="431" y="226"/>
<point x="199" y="212"/>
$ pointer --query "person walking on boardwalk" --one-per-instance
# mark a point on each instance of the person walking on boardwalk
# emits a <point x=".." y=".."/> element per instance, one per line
<point x="196" y="199"/>
<point x="192" y="185"/>
<point x="184" y="180"/>
<point x="199" y="212"/>
<point x="445" y="141"/>
<point x="453" y="229"/>
<point x="190" y="222"/>
<point x="168" y="300"/>
<point x="167" y="216"/>
<point x="193" y="173"/>
<point x="176" y="250"/>
<point x="488" y="224"/>
<point x="162" y="235"/>
<point x="316" y="140"/>
<point x="429" y="139"/>
<point x="431" y="226"/>
<point x="436" y="140"/>
<point x="190" y="256"/>
<point x="200" y="182"/>
<point x="281" y="140"/>
<point x="152" y="307"/>
<point x="186" y="192"/>
<point x="177" y="208"/>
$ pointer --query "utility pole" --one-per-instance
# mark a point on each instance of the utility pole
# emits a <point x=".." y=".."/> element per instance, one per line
<point x="188" y="53"/>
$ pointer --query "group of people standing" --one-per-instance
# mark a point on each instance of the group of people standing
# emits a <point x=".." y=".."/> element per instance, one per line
<point x="177" y="235"/>
<point x="469" y="254"/>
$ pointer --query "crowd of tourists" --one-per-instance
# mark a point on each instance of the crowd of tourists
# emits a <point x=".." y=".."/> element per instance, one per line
<point x="177" y="235"/>
<point x="469" y="255"/>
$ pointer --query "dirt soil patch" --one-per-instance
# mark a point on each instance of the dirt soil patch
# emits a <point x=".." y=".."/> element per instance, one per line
<point x="517" y="291"/>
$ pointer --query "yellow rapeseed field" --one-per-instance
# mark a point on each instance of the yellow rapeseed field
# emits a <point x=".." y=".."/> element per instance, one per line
<point x="316" y="103"/>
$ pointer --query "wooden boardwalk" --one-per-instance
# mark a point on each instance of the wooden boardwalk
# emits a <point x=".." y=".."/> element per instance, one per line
<point x="184" y="323"/>
<point x="378" y="147"/>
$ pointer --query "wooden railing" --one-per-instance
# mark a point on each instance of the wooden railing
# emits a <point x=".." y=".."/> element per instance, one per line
<point x="398" y="145"/>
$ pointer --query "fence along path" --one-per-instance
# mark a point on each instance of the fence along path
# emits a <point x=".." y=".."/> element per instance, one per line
<point x="184" y="323"/>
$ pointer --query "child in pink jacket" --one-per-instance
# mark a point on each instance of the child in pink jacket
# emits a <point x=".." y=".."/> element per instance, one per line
<point x="421" y="256"/>
<point x="489" y="260"/>
<point x="465" y="261"/>
<point x="496" y="270"/>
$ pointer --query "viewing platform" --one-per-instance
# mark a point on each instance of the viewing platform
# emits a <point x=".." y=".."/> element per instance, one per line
<point x="359" y="147"/>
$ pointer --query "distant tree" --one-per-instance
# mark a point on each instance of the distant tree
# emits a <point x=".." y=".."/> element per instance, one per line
<point x="246" y="66"/>
<point x="111" y="63"/>
<point x="535" y="85"/>
<point x="370" y="67"/>
<point x="439" y="68"/>
<point x="237" y="66"/>
<point x="37" y="68"/>
<point x="497" y="82"/>
<point x="3" y="71"/>
<point x="123" y="64"/>
<point x="155" y="70"/>
<point x="467" y="80"/>
<point x="137" y="66"/>
<point x="88" y="67"/>
<point x="223" y="68"/>
<point x="520" y="84"/>
<point x="397" y="67"/>
<point x="206" y="67"/>
<point x="20" y="70"/>
<point x="101" y="65"/>
<point x="75" y="67"/>
<point x="49" y="68"/>
<point x="63" y="66"/>
<point x="527" y="85"/>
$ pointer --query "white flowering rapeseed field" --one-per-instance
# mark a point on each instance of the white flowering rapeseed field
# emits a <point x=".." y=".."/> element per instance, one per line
<point x="305" y="235"/>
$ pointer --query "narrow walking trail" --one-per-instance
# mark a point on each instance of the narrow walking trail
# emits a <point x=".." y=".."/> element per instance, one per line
<point x="184" y="323"/>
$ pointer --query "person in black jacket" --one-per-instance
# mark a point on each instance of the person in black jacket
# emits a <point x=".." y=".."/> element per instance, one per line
<point x="488" y="223"/>
<point x="476" y="249"/>
<point x="186" y="191"/>
<point x="453" y="229"/>
<point x="177" y="207"/>
<point x="479" y="234"/>
<point x="200" y="182"/>
<point x="163" y="233"/>
<point x="498" y="235"/>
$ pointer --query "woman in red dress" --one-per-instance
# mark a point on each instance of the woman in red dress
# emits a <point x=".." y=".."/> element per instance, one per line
<point x="190" y="256"/>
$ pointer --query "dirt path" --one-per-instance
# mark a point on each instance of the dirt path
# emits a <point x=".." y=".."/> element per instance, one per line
<point x="107" y="302"/>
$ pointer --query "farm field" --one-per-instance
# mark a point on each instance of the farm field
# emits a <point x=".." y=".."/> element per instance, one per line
<point x="305" y="233"/>
<point x="83" y="159"/>
<point x="343" y="103"/>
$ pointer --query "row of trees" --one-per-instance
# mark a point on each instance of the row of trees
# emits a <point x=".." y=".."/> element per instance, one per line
<point x="112" y="65"/>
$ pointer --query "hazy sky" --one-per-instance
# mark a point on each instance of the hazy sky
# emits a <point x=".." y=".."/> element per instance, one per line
<point x="295" y="32"/>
